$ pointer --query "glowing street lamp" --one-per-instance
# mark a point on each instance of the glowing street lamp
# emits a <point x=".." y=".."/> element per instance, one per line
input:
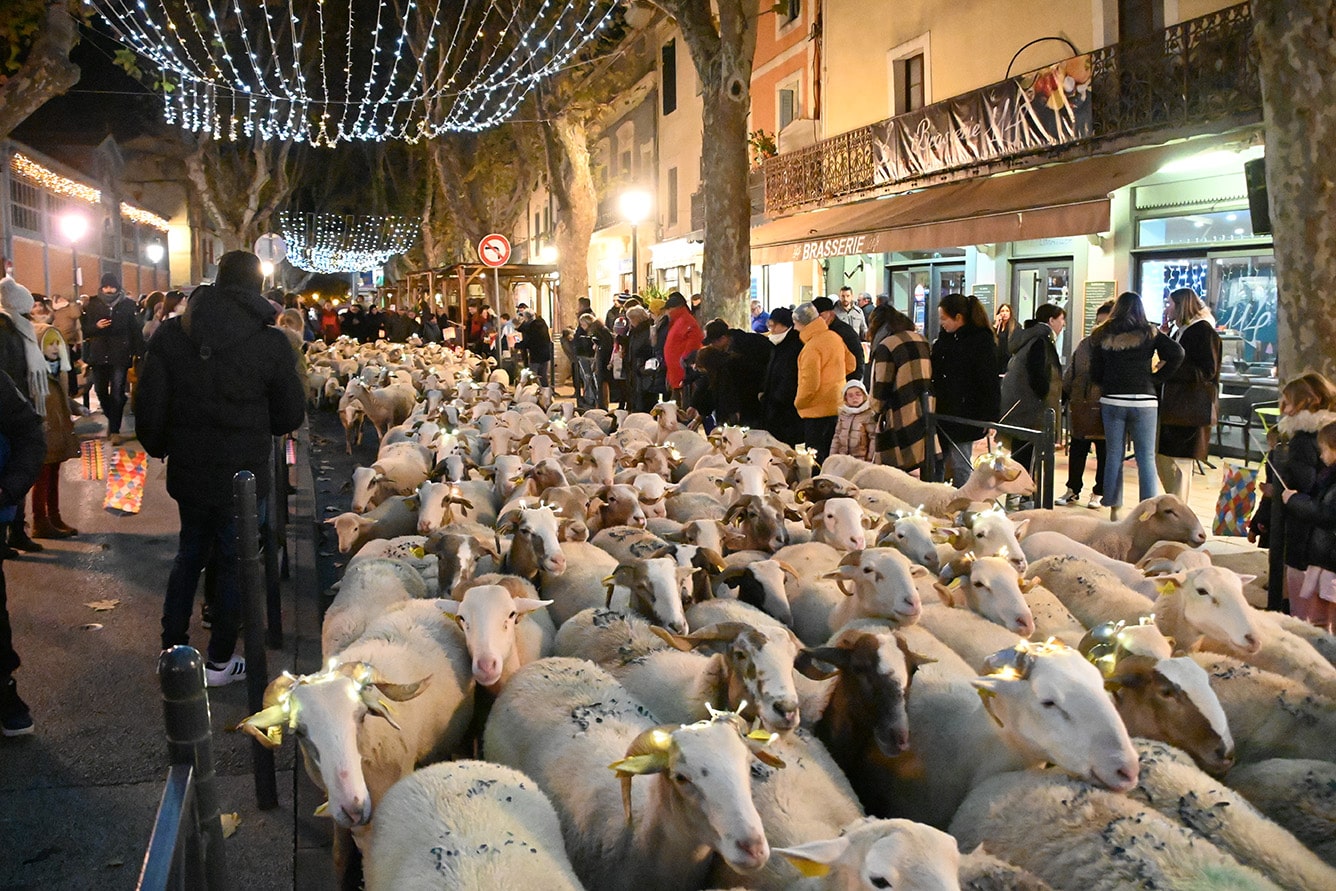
<point x="74" y="226"/>
<point x="266" y="268"/>
<point x="635" y="205"/>
<point x="548" y="255"/>
<point x="154" y="251"/>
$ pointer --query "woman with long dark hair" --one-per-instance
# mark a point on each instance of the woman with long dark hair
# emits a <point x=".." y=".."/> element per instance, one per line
<point x="964" y="379"/>
<point x="1004" y="326"/>
<point x="1120" y="362"/>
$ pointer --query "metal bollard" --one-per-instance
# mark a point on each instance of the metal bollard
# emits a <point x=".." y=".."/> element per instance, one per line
<point x="185" y="708"/>
<point x="254" y="608"/>
<point x="273" y="593"/>
<point x="1047" y="458"/>
<point x="929" y="471"/>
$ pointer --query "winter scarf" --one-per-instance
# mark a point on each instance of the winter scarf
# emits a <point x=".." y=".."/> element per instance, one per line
<point x="16" y="302"/>
<point x="849" y="409"/>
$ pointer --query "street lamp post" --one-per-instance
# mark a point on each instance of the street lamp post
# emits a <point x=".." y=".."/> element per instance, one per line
<point x="635" y="208"/>
<point x="74" y="226"/>
<point x="154" y="252"/>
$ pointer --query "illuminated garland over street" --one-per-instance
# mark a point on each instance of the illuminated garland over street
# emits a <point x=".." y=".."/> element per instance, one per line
<point x="333" y="243"/>
<point x="56" y="184"/>
<point x="441" y="66"/>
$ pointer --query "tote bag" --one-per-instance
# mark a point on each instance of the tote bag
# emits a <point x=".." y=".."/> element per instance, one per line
<point x="125" y="481"/>
<point x="1238" y="492"/>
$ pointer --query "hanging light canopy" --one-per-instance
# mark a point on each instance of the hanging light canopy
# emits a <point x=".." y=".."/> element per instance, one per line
<point x="326" y="71"/>
<point x="335" y="243"/>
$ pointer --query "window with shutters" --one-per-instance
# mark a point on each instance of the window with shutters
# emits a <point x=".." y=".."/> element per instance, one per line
<point x="668" y="77"/>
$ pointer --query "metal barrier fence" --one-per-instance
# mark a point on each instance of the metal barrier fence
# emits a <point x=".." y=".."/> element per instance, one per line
<point x="1044" y="439"/>
<point x="186" y="848"/>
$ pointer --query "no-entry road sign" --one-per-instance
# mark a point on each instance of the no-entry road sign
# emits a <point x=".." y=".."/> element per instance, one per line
<point x="494" y="250"/>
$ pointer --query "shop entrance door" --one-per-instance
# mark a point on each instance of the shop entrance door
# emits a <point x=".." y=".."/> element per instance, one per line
<point x="915" y="291"/>
<point x="1034" y="283"/>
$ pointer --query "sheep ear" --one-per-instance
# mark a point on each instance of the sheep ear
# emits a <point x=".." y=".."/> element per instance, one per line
<point x="1247" y="579"/>
<point x="821" y="663"/>
<point x="448" y="606"/>
<point x="648" y="753"/>
<point x="1146" y="514"/>
<point x="918" y="570"/>
<point x="401" y="692"/>
<point x="1020" y="527"/>
<point x="526" y="605"/>
<point x="946" y="594"/>
<point x="813" y="859"/>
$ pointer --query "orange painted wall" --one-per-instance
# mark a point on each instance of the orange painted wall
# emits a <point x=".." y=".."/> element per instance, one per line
<point x="781" y="52"/>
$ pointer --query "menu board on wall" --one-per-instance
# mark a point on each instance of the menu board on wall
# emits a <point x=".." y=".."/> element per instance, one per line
<point x="1096" y="293"/>
<point x="986" y="294"/>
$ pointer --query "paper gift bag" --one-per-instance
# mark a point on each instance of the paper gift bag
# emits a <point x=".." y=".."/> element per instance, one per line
<point x="1238" y="491"/>
<point x="125" y="481"/>
<point x="93" y="459"/>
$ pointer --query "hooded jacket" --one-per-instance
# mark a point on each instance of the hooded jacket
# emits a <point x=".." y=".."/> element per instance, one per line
<point x="822" y="367"/>
<point x="217" y="384"/>
<point x="1033" y="381"/>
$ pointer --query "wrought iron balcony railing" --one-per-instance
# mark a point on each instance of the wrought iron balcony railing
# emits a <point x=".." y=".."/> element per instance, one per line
<point x="1184" y="79"/>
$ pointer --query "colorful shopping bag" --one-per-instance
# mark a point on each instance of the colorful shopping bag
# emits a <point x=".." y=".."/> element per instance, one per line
<point x="125" y="481"/>
<point x="93" y="459"/>
<point x="1238" y="491"/>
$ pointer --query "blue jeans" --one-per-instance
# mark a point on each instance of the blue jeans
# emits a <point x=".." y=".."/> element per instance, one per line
<point x="207" y="534"/>
<point x="1141" y="423"/>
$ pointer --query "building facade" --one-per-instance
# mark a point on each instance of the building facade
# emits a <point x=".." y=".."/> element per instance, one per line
<point x="63" y="229"/>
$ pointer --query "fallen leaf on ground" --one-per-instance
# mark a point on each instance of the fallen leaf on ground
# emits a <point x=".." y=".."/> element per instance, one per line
<point x="103" y="605"/>
<point x="230" y="824"/>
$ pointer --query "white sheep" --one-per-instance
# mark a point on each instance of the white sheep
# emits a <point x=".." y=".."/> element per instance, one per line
<point x="413" y="656"/>
<point x="1038" y="545"/>
<point x="1040" y="702"/>
<point x="993" y="476"/>
<point x="1271" y="716"/>
<point x="609" y="638"/>
<point x="393" y="517"/>
<point x="503" y="628"/>
<point x="580" y="583"/>
<point x="467" y="824"/>
<point x="1172" y="784"/>
<point x="872" y="853"/>
<point x="564" y="721"/>
<point x="385" y="407"/>
<point x="1076" y="836"/>
<point x="990" y="587"/>
<point x="1299" y="794"/>
<point x="446" y="502"/>
<point x="1162" y="518"/>
<point x="368" y="588"/>
<point x="835" y="590"/>
<point x="411" y="549"/>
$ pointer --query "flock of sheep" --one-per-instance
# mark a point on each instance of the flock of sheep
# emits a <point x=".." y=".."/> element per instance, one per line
<point x="689" y="662"/>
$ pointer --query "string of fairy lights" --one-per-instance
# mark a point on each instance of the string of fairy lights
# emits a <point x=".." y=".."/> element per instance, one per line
<point x="53" y="182"/>
<point x="461" y="65"/>
<point x="338" y="243"/>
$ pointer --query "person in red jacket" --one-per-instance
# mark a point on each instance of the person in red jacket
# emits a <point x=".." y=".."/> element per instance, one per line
<point x="684" y="337"/>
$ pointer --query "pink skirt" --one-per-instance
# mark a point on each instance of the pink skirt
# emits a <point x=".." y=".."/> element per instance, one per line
<point x="1319" y="581"/>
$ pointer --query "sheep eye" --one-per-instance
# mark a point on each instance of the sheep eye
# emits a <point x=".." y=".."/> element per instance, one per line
<point x="900" y="535"/>
<point x="512" y="615"/>
<point x="879" y="882"/>
<point x="1049" y="703"/>
<point x="978" y="584"/>
<point x="1167" y="692"/>
<point x="978" y="535"/>
<point x="682" y="779"/>
<point x="867" y="569"/>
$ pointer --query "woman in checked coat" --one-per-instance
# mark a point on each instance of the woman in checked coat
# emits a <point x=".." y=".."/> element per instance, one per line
<point x="901" y="374"/>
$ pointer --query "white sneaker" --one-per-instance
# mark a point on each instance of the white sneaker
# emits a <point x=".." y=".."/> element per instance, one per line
<point x="233" y="669"/>
<point x="1068" y="497"/>
<point x="1095" y="502"/>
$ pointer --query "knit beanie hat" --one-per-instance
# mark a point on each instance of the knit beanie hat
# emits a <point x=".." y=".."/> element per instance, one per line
<point x="109" y="280"/>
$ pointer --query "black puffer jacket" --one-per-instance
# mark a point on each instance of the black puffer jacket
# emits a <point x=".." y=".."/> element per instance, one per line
<point x="217" y="384"/>
<point x="781" y="391"/>
<point x="26" y="443"/>
<point x="965" y="379"/>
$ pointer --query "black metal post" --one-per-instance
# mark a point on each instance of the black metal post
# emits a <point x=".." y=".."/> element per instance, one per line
<point x="930" y="427"/>
<point x="185" y="708"/>
<point x="272" y="592"/>
<point x="1047" y="459"/>
<point x="253" y="602"/>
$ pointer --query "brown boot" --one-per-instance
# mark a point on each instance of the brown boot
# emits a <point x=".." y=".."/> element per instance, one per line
<point x="53" y="505"/>
<point x="41" y="524"/>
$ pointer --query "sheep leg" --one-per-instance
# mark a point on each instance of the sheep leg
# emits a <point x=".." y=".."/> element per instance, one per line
<point x="347" y="861"/>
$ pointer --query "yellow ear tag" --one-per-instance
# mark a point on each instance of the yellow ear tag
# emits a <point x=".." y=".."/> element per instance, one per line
<point x="322" y="811"/>
<point x="809" y="868"/>
<point x="418" y="551"/>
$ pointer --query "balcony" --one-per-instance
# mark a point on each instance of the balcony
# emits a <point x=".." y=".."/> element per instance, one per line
<point x="1196" y="77"/>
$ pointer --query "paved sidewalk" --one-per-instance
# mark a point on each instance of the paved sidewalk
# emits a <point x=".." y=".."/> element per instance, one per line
<point x="77" y="799"/>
